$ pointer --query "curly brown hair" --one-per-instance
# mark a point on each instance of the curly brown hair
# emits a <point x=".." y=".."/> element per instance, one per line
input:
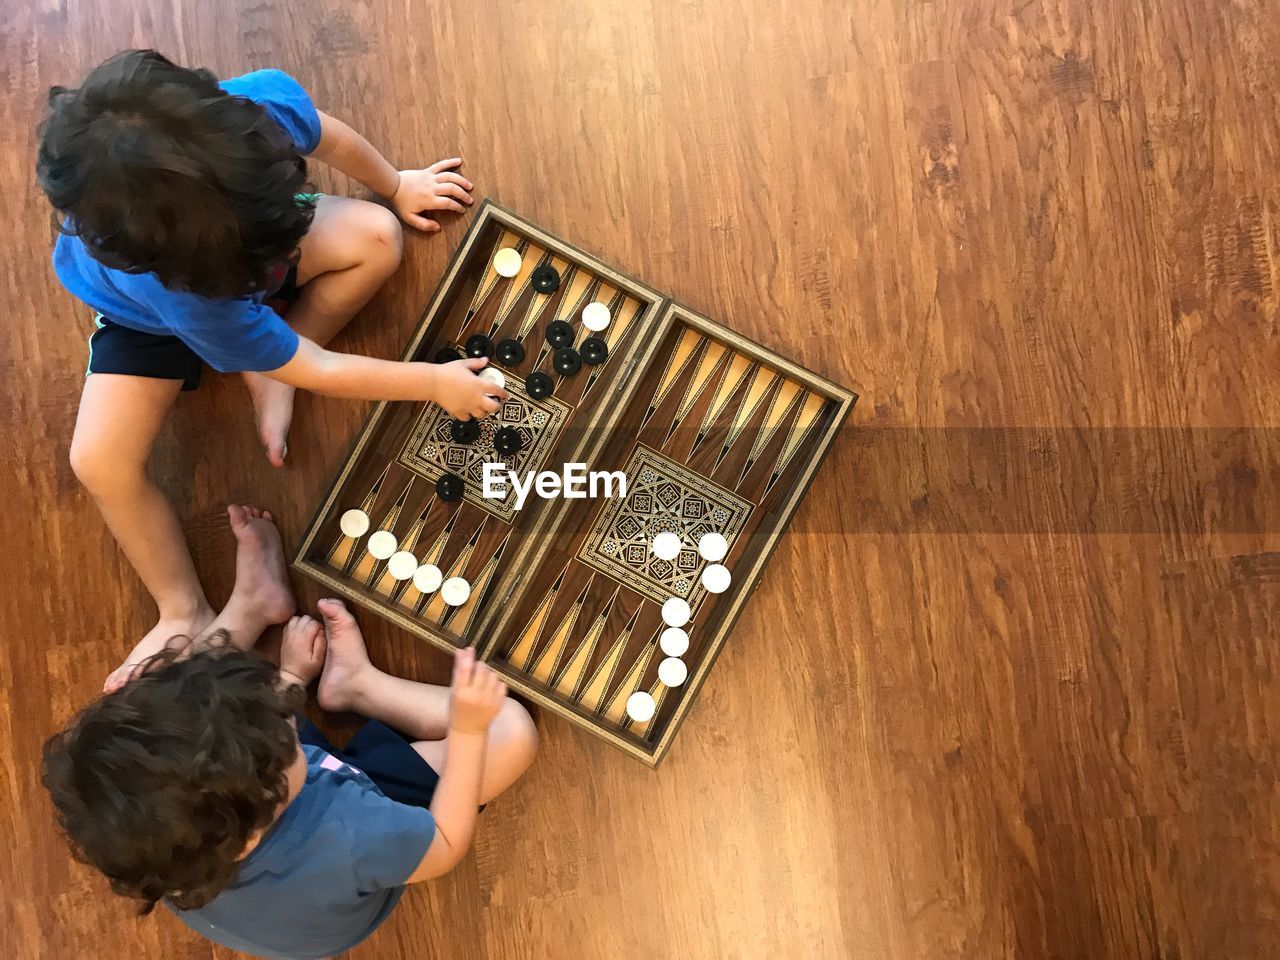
<point x="161" y="784"/>
<point x="158" y="170"/>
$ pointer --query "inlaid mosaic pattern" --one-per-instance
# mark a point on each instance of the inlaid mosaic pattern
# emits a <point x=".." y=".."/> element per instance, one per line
<point x="661" y="496"/>
<point x="431" y="452"/>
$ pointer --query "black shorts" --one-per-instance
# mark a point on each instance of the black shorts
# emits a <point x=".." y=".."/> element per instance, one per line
<point x="117" y="349"/>
<point x="114" y="348"/>
<point x="385" y="756"/>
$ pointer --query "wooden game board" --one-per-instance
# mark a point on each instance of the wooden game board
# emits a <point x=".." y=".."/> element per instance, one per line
<point x="713" y="431"/>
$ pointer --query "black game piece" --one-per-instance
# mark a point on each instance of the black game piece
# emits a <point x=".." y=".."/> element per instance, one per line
<point x="539" y="385"/>
<point x="594" y="351"/>
<point x="449" y="487"/>
<point x="478" y="345"/>
<point x="545" y="279"/>
<point x="464" y="431"/>
<point x="510" y="352"/>
<point x="507" y="441"/>
<point x="566" y="361"/>
<point x="559" y="334"/>
<point x="447" y="355"/>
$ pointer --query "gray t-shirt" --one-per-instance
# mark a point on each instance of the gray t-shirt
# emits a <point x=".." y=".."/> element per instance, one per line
<point x="327" y="874"/>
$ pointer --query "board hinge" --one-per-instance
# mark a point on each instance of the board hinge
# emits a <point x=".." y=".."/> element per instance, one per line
<point x="626" y="374"/>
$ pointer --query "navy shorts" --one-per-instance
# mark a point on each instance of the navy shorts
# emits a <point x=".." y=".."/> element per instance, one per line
<point x="117" y="349"/>
<point x="114" y="348"/>
<point x="385" y="756"/>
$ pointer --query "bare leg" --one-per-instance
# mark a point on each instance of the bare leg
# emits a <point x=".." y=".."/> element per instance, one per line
<point x="351" y="682"/>
<point x="261" y="596"/>
<point x="350" y="250"/>
<point x="120" y="418"/>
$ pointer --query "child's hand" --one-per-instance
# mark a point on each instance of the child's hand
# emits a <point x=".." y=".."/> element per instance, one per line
<point x="462" y="393"/>
<point x="477" y="693"/>
<point x="435" y="188"/>
<point x="302" y="650"/>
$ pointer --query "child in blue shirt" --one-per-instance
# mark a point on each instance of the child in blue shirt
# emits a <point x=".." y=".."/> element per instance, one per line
<point x="193" y="785"/>
<point x="184" y="211"/>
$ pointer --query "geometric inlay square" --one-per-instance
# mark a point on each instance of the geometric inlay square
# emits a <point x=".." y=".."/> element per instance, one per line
<point x="430" y="451"/>
<point x="662" y="495"/>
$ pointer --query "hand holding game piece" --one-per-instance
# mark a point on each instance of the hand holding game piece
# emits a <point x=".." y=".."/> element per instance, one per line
<point x="438" y="187"/>
<point x="494" y="376"/>
<point x="477" y="693"/>
<point x="462" y="393"/>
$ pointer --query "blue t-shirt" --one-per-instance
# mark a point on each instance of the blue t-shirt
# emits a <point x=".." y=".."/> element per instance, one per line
<point x="326" y="875"/>
<point x="240" y="333"/>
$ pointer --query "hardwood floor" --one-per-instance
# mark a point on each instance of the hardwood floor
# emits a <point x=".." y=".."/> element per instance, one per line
<point x="1010" y="688"/>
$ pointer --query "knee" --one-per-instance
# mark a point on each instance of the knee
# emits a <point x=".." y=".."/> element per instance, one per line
<point x="101" y="469"/>
<point x="383" y="238"/>
<point x="91" y="463"/>
<point x="517" y="733"/>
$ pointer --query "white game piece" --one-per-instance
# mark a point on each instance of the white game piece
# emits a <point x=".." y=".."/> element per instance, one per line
<point x="455" y="591"/>
<point x="640" y="706"/>
<point x="674" y="642"/>
<point x="354" y="523"/>
<point x="713" y="547"/>
<point x="402" y="565"/>
<point x="666" y="545"/>
<point x="494" y="376"/>
<point x="382" y="544"/>
<point x="507" y="262"/>
<point x="595" y="316"/>
<point x="428" y="578"/>
<point x="716" y="578"/>
<point x="675" y="612"/>
<point x="672" y="671"/>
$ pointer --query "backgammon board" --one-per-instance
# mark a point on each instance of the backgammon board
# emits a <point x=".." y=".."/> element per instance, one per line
<point x="714" y="434"/>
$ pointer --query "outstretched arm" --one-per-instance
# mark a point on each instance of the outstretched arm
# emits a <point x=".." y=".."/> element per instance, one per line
<point x="438" y="187"/>
<point x="453" y="385"/>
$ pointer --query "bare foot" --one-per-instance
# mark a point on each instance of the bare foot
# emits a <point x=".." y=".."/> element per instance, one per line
<point x="155" y="640"/>
<point x="262" y="584"/>
<point x="302" y="652"/>
<point x="273" y="410"/>
<point x="347" y="659"/>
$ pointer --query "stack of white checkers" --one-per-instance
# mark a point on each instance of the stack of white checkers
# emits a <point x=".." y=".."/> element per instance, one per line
<point x="674" y="641"/>
<point x="402" y="564"/>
